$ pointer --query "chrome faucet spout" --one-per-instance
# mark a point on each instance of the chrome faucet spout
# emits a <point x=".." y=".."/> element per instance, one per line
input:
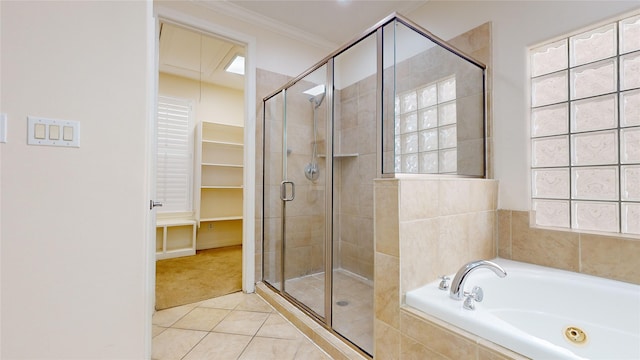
<point x="457" y="285"/>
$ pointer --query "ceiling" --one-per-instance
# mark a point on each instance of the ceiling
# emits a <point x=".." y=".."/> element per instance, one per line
<point x="327" y="24"/>
<point x="198" y="57"/>
<point x="334" y="22"/>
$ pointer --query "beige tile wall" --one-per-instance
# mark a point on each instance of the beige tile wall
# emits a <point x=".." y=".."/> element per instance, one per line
<point x="433" y="65"/>
<point x="440" y="223"/>
<point x="355" y="133"/>
<point x="613" y="257"/>
<point x="477" y="43"/>
<point x="425" y="227"/>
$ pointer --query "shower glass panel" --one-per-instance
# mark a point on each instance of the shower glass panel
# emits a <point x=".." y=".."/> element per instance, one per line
<point x="434" y="107"/>
<point x="354" y="168"/>
<point x="273" y="206"/>
<point x="305" y="169"/>
<point x="397" y="100"/>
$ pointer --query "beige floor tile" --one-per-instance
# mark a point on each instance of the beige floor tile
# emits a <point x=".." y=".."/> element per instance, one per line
<point x="225" y="302"/>
<point x="201" y="318"/>
<point x="173" y="344"/>
<point x="277" y="326"/>
<point x="253" y="302"/>
<point x="157" y="330"/>
<point x="309" y="351"/>
<point x="245" y="327"/>
<point x="242" y="322"/>
<point x="219" y="346"/>
<point x="270" y="349"/>
<point x="167" y="317"/>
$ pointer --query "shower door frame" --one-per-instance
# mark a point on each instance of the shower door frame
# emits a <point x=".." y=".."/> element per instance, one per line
<point x="376" y="29"/>
<point x="325" y="320"/>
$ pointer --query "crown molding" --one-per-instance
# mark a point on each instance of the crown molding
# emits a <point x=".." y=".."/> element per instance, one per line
<point x="251" y="17"/>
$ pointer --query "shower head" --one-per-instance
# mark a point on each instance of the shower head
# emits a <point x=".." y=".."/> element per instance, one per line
<point x="317" y="94"/>
<point x="317" y="100"/>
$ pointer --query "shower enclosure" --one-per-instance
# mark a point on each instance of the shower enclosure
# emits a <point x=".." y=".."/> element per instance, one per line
<point x="396" y="100"/>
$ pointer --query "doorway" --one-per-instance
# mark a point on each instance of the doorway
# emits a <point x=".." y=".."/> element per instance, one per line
<point x="200" y="165"/>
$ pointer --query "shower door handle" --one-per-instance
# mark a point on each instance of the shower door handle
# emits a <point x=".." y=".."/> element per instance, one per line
<point x="283" y="191"/>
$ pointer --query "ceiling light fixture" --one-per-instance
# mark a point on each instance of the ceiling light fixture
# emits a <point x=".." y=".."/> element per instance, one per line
<point x="316" y="90"/>
<point x="236" y="65"/>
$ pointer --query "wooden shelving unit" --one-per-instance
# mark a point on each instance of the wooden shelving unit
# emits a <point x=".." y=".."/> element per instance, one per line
<point x="220" y="155"/>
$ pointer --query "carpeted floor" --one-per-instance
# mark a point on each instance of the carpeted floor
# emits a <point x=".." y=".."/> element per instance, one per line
<point x="208" y="274"/>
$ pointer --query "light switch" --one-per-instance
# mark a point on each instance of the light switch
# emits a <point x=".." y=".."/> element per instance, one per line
<point x="3" y="128"/>
<point x="51" y="132"/>
<point x="67" y="133"/>
<point x="54" y="132"/>
<point x="39" y="131"/>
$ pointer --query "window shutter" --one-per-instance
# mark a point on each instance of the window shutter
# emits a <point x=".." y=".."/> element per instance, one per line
<point x="175" y="155"/>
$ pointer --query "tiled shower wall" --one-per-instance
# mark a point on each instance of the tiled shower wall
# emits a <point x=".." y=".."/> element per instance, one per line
<point x="355" y="130"/>
<point x="304" y="226"/>
<point x="305" y="215"/>
<point x="427" y="68"/>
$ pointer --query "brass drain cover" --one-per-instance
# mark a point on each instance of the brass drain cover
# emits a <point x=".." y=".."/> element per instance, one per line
<point x="575" y="335"/>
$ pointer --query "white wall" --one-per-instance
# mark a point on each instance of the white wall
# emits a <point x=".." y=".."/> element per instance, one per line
<point x="73" y="251"/>
<point x="212" y="103"/>
<point x="517" y="25"/>
<point x="1" y="147"/>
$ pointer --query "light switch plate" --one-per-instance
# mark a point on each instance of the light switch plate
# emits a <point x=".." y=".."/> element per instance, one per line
<point x="3" y="128"/>
<point x="51" y="136"/>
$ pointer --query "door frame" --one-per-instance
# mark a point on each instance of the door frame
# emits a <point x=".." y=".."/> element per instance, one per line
<point x="162" y="13"/>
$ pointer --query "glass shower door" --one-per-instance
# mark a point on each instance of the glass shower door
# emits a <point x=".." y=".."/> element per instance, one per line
<point x="304" y="191"/>
<point x="354" y="168"/>
<point x="295" y="191"/>
<point x="273" y="208"/>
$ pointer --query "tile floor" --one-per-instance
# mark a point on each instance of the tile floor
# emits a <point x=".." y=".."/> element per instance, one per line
<point x="352" y="303"/>
<point x="237" y="326"/>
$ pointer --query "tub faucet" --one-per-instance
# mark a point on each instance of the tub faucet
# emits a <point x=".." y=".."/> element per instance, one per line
<point x="457" y="285"/>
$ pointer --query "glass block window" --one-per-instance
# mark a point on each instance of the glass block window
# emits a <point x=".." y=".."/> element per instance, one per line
<point x="425" y="129"/>
<point x="585" y="129"/>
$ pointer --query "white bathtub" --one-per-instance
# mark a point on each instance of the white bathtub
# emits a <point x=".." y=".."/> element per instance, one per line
<point x="529" y="310"/>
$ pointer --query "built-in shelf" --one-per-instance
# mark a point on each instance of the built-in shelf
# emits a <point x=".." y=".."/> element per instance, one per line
<point x="341" y="155"/>
<point x="220" y="153"/>
<point x="223" y="165"/>
<point x="175" y="237"/>
<point x="223" y="218"/>
<point x="222" y="143"/>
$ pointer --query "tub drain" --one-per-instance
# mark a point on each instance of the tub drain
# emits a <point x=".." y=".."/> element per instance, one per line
<point x="342" y="303"/>
<point x="575" y="335"/>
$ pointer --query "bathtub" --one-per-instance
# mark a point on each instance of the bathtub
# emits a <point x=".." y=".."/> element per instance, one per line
<point x="533" y="307"/>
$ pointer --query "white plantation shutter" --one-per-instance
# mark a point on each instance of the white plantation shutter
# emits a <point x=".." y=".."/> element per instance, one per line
<point x="175" y="155"/>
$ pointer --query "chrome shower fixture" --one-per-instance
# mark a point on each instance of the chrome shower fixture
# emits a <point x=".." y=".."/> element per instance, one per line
<point x="317" y="94"/>
<point x="311" y="171"/>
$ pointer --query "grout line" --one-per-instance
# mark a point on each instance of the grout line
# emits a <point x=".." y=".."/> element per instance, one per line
<point x="579" y="252"/>
<point x="194" y="346"/>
